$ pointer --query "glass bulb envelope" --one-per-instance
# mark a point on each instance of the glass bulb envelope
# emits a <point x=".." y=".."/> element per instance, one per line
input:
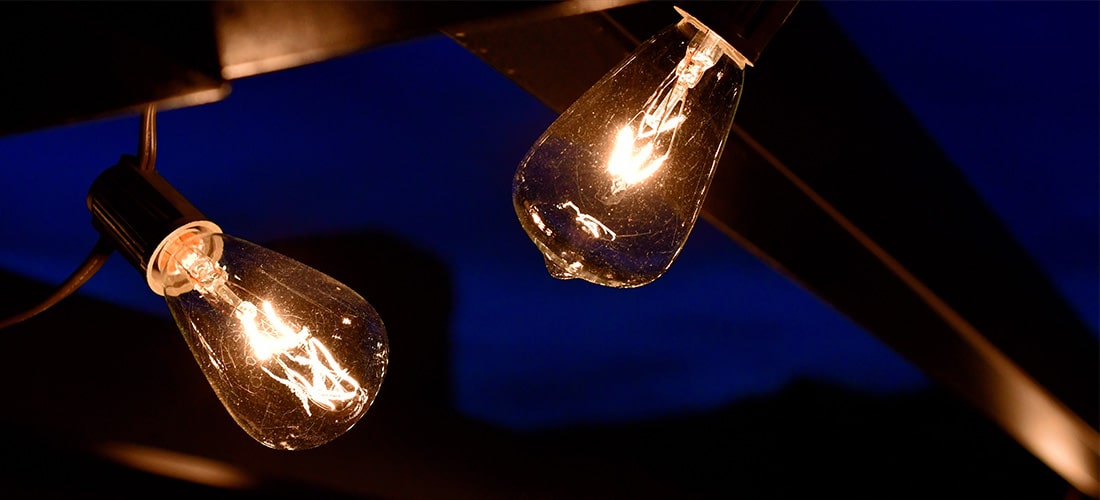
<point x="610" y="192"/>
<point x="294" y="355"/>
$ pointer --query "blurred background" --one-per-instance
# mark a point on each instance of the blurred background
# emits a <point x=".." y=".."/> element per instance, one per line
<point x="390" y="169"/>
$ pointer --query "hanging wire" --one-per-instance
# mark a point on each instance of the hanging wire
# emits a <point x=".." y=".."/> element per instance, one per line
<point x="147" y="138"/>
<point x="147" y="157"/>
<point x="92" y="263"/>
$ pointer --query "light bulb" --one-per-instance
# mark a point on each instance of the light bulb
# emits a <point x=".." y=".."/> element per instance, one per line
<point x="611" y="190"/>
<point x="295" y="356"/>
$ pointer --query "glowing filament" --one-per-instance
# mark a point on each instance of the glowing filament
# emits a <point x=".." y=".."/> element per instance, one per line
<point x="291" y="356"/>
<point x="300" y="362"/>
<point x="645" y="143"/>
<point x="630" y="164"/>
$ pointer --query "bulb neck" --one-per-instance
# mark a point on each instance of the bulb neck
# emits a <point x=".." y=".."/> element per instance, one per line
<point x="140" y="213"/>
<point x="746" y="25"/>
<point x="710" y="40"/>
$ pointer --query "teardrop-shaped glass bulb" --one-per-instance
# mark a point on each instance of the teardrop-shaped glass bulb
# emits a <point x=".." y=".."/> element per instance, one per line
<point x="610" y="192"/>
<point x="295" y="356"/>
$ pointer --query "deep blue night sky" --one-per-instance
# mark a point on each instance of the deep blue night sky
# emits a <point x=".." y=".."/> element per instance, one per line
<point x="421" y="139"/>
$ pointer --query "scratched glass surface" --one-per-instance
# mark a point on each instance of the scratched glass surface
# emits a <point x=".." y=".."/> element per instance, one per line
<point x="294" y="355"/>
<point x="610" y="192"/>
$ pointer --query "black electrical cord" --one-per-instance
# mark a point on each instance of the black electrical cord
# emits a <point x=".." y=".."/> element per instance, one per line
<point x="147" y="157"/>
<point x="99" y="254"/>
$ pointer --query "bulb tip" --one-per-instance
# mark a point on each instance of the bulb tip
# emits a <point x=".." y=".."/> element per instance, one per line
<point x="558" y="271"/>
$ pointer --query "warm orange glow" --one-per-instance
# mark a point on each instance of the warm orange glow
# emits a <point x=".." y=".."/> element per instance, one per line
<point x="178" y="465"/>
<point x="631" y="163"/>
<point x="643" y="145"/>
<point x="289" y="355"/>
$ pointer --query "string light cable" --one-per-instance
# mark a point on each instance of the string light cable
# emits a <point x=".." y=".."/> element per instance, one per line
<point x="103" y="248"/>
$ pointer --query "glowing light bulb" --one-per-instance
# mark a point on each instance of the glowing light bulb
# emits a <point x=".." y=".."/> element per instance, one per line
<point x="611" y="190"/>
<point x="295" y="356"/>
<point x="294" y="376"/>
